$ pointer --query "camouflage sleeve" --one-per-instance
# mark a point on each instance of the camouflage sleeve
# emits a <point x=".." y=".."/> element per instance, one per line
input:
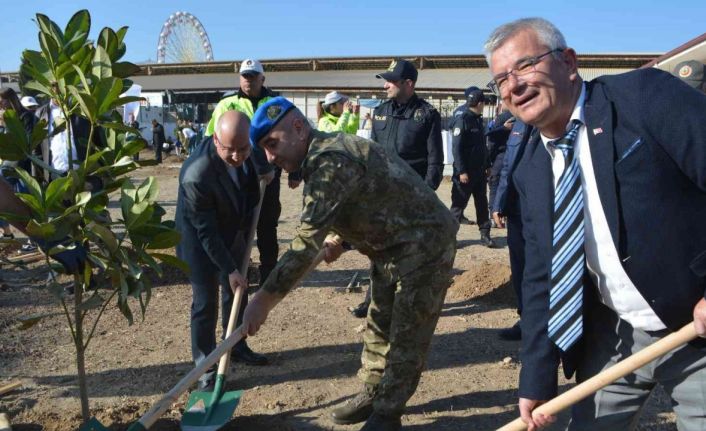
<point x="333" y="178"/>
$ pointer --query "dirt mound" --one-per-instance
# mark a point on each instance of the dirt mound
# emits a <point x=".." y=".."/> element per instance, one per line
<point x="483" y="280"/>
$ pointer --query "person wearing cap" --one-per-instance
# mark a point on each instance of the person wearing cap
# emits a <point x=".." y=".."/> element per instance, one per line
<point x="373" y="200"/>
<point x="408" y="125"/>
<point x="339" y="114"/>
<point x="218" y="191"/>
<point x="612" y="193"/>
<point x="693" y="73"/>
<point x="250" y="95"/>
<point x="469" y="151"/>
<point x="30" y="103"/>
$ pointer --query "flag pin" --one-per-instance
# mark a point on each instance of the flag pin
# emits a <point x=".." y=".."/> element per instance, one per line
<point x="597" y="130"/>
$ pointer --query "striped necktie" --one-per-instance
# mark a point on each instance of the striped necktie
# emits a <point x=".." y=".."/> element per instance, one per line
<point x="568" y="259"/>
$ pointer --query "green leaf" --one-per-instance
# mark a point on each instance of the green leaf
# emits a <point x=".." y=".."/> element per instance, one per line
<point x="43" y="231"/>
<point x="50" y="49"/>
<point x="105" y="234"/>
<point x="167" y="239"/>
<point x="76" y="31"/>
<point x="125" y="100"/>
<point x="108" y="40"/>
<point x="120" y="34"/>
<point x="33" y="187"/>
<point x="117" y="126"/>
<point x="56" y="290"/>
<point x="88" y="103"/>
<point x="37" y="86"/>
<point x="148" y="190"/>
<point x="11" y="148"/>
<point x="82" y="77"/>
<point x="173" y="261"/>
<point x="14" y="126"/>
<point x="95" y="301"/>
<point x="101" y="66"/>
<point x="124" y="69"/>
<point x="37" y="67"/>
<point x="39" y="133"/>
<point x="132" y="147"/>
<point x="56" y="191"/>
<point x="107" y="92"/>
<point x="49" y="27"/>
<point x="82" y="198"/>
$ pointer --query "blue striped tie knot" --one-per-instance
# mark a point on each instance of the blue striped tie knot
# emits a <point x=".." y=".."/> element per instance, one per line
<point x="568" y="258"/>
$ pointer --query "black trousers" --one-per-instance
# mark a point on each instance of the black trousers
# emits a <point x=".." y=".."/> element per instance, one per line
<point x="204" y="316"/>
<point x="267" y="243"/>
<point x="516" y="245"/>
<point x="461" y="194"/>
<point x="494" y="178"/>
<point x="158" y="152"/>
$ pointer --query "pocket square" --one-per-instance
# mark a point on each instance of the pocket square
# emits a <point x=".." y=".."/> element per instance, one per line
<point x="631" y="149"/>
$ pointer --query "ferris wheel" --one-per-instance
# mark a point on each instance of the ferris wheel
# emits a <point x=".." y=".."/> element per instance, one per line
<point x="183" y="39"/>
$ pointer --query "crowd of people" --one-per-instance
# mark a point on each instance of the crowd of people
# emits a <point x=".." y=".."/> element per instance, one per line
<point x="601" y="184"/>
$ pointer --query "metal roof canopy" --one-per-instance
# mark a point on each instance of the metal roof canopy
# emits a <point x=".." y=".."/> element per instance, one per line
<point x="695" y="49"/>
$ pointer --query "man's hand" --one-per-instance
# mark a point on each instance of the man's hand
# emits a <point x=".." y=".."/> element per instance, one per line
<point x="509" y="123"/>
<point x="499" y="220"/>
<point x="268" y="177"/>
<point x="464" y="178"/>
<point x="235" y="280"/>
<point x="536" y="421"/>
<point x="700" y="318"/>
<point x="293" y="184"/>
<point x="257" y="310"/>
<point x="333" y="248"/>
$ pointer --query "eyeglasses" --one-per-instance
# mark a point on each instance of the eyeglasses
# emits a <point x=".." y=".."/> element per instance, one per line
<point x="229" y="152"/>
<point x="522" y="67"/>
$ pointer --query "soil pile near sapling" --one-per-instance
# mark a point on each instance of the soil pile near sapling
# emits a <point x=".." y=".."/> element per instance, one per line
<point x="485" y="281"/>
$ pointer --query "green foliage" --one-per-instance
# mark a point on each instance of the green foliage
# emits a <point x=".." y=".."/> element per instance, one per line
<point x="86" y="79"/>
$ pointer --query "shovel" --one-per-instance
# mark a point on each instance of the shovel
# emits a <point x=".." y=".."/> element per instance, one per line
<point x="208" y="411"/>
<point x="149" y="418"/>
<point x="608" y="376"/>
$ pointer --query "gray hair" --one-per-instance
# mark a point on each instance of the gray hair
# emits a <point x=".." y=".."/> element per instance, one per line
<point x="546" y="32"/>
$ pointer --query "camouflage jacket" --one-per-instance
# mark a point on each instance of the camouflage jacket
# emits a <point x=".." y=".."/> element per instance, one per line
<point x="373" y="200"/>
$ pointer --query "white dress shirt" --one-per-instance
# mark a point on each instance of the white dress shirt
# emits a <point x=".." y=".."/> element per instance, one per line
<point x="57" y="144"/>
<point x="603" y="263"/>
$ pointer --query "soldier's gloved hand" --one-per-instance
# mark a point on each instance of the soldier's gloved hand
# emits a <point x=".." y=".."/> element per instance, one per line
<point x="72" y="259"/>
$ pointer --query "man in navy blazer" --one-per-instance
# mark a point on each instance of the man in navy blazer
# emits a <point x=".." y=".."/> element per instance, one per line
<point x="641" y="152"/>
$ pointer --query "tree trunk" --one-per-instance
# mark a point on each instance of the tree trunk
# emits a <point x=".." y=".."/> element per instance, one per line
<point x="78" y="342"/>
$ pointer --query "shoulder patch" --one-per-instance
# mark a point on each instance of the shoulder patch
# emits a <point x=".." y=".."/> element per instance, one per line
<point x="457" y="131"/>
<point x="381" y="117"/>
<point x="419" y="115"/>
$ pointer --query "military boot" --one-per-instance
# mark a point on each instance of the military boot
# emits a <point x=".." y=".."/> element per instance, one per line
<point x="357" y="409"/>
<point x="378" y="422"/>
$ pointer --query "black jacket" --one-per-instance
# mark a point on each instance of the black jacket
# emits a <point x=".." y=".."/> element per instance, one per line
<point x="210" y="212"/>
<point x="468" y="143"/>
<point x="413" y="132"/>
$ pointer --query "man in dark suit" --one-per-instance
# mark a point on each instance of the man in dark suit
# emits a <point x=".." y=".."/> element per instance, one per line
<point x="218" y="190"/>
<point x="613" y="198"/>
<point x="506" y="213"/>
<point x="158" y="140"/>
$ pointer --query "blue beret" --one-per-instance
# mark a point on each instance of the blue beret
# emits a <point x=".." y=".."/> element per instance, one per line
<point x="267" y="116"/>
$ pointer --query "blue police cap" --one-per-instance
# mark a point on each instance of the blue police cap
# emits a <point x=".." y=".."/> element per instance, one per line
<point x="267" y="116"/>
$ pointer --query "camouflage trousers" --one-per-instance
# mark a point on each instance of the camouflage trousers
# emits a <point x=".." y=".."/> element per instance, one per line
<point x="401" y="320"/>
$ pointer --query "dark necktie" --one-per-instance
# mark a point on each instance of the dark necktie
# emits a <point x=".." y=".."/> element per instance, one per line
<point x="568" y="258"/>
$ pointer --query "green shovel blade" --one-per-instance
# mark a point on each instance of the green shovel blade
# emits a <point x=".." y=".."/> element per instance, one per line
<point x="202" y="414"/>
<point x="92" y="425"/>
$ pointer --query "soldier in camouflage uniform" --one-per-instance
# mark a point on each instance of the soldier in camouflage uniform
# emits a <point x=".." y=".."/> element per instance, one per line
<point x="376" y="202"/>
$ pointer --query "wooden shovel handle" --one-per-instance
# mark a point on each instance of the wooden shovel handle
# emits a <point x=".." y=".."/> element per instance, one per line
<point x="605" y="377"/>
<point x="240" y="291"/>
<point x="9" y="387"/>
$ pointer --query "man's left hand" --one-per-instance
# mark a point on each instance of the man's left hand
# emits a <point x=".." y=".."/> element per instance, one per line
<point x="333" y="248"/>
<point x="293" y="184"/>
<point x="700" y="318"/>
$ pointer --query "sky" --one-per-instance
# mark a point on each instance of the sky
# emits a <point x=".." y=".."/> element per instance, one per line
<point x="274" y="29"/>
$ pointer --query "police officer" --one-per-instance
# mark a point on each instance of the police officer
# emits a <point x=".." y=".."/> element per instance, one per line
<point x="409" y="127"/>
<point x="372" y="199"/>
<point x="469" y="153"/>
<point x="251" y="94"/>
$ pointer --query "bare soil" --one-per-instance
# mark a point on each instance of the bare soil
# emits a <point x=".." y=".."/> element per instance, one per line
<point x="312" y="341"/>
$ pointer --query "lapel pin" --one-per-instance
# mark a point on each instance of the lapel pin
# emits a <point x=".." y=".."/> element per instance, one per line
<point x="597" y="130"/>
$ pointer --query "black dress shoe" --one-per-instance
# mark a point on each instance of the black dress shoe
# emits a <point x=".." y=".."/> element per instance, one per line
<point x="513" y="333"/>
<point x="357" y="409"/>
<point x="206" y="385"/>
<point x="361" y="310"/>
<point x="486" y="240"/>
<point x="243" y="353"/>
<point x="378" y="422"/>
